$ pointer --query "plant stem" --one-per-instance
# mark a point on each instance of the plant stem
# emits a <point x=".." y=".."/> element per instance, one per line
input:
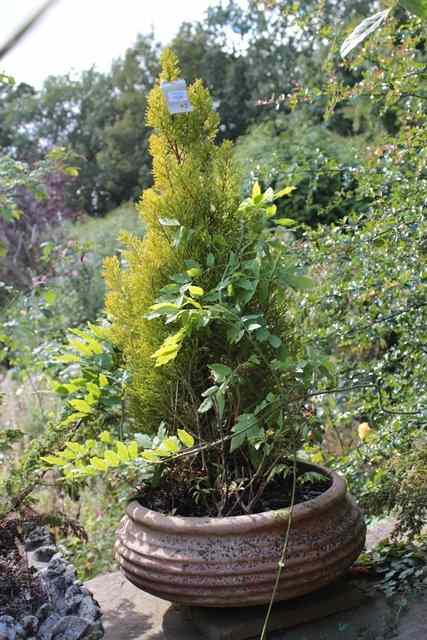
<point x="281" y="562"/>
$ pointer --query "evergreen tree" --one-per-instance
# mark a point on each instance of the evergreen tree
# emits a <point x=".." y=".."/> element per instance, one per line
<point x="188" y="211"/>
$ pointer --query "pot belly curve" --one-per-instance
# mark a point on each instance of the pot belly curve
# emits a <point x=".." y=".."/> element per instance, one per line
<point x="232" y="562"/>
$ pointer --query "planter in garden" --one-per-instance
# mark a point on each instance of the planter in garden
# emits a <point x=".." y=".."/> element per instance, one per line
<point x="206" y="311"/>
<point x="233" y="561"/>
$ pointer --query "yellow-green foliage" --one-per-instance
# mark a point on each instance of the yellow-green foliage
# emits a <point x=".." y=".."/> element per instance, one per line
<point x="195" y="184"/>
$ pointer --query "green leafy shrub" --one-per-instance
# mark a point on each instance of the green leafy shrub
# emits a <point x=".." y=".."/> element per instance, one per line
<point x="369" y="309"/>
<point x="293" y="149"/>
<point x="200" y="310"/>
<point x="69" y="293"/>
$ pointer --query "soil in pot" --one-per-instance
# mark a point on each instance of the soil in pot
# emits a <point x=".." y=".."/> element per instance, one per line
<point x="174" y="498"/>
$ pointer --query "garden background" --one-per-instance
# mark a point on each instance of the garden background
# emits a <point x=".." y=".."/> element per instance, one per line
<point x="348" y="134"/>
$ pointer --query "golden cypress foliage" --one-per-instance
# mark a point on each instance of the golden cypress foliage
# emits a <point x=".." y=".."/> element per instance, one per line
<point x="195" y="185"/>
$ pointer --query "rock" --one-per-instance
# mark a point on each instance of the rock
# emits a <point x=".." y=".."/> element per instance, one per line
<point x="70" y="612"/>
<point x="89" y="609"/>
<point x="70" y="628"/>
<point x="45" y="552"/>
<point x="20" y="633"/>
<point x="73" y="598"/>
<point x="30" y="625"/>
<point x="70" y="575"/>
<point x="46" y="628"/>
<point x="38" y="537"/>
<point x="57" y="566"/>
<point x="44" y="611"/>
<point x="8" y="627"/>
<point x="58" y="586"/>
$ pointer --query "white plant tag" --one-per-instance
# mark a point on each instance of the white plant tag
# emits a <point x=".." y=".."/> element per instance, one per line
<point x="176" y="95"/>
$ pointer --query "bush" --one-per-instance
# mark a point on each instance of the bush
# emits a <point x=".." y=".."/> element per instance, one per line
<point x="200" y="310"/>
<point x="69" y="293"/>
<point x="319" y="163"/>
<point x="32" y="200"/>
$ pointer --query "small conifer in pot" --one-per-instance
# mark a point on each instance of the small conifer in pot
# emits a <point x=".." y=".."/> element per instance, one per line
<point x="200" y="309"/>
<point x="218" y="380"/>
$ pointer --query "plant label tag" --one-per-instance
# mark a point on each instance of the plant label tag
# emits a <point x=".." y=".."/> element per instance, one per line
<point x="176" y="95"/>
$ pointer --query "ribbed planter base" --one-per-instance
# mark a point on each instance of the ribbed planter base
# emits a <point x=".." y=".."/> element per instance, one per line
<point x="232" y="562"/>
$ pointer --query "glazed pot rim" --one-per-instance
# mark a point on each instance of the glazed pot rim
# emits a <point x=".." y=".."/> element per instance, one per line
<point x="206" y="526"/>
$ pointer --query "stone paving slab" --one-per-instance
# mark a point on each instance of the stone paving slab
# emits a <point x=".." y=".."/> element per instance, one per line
<point x="339" y="612"/>
<point x="130" y="614"/>
<point x="247" y="622"/>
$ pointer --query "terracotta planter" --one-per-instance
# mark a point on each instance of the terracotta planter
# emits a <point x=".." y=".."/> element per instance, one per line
<point x="232" y="562"/>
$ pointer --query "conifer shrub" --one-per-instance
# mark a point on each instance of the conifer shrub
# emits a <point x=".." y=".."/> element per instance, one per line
<point x="189" y="213"/>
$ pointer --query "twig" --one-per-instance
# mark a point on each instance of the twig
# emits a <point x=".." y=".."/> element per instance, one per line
<point x="281" y="563"/>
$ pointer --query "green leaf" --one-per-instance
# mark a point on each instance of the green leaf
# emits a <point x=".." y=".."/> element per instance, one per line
<point x="235" y="333"/>
<point x="256" y="190"/>
<point x="206" y="405"/>
<point x="150" y="456"/>
<point x="185" y="437"/>
<point x="195" y="291"/>
<point x="170" y="348"/>
<point x="50" y="296"/>
<point x="210" y="260"/>
<point x="54" y="460"/>
<point x="284" y="192"/>
<point x="245" y="427"/>
<point x="103" y="380"/>
<point x="133" y="450"/>
<point x="87" y="347"/>
<point x="106" y="437"/>
<point x="81" y="405"/>
<point x="194" y="272"/>
<point x="164" y="307"/>
<point x="170" y="444"/>
<point x="286" y="222"/>
<point x="180" y="278"/>
<point x="76" y="447"/>
<point x="94" y="393"/>
<point x="300" y="283"/>
<point x="268" y="195"/>
<point x="68" y="454"/>
<point x="244" y="283"/>
<point x="275" y="341"/>
<point x="220" y="371"/>
<point x="67" y="358"/>
<point x="71" y="171"/>
<point x="122" y="452"/>
<point x="74" y="417"/>
<point x="112" y="458"/>
<point x="99" y="464"/>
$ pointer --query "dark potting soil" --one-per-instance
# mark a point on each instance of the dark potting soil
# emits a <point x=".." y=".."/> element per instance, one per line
<point x="174" y="498"/>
